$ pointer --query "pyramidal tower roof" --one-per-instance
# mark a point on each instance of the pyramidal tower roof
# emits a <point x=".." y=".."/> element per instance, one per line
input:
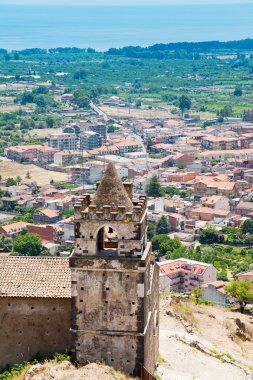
<point x="111" y="191"/>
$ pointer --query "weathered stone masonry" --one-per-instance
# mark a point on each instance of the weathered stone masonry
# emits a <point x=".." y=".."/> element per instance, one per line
<point x="35" y="307"/>
<point x="114" y="282"/>
<point x="108" y="295"/>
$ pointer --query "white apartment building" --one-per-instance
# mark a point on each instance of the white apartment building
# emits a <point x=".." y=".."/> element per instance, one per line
<point x="63" y="141"/>
<point x="181" y="275"/>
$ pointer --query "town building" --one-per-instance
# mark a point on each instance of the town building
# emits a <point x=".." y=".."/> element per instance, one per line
<point x="26" y="153"/>
<point x="90" y="140"/>
<point x="245" y="276"/>
<point x="182" y="275"/>
<point x="46" y="216"/>
<point x="215" y="293"/>
<point x="63" y="141"/>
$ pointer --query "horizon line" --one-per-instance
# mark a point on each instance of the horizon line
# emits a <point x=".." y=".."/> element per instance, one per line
<point x="122" y="47"/>
<point x="181" y="4"/>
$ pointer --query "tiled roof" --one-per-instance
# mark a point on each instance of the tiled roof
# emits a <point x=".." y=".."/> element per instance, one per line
<point x="14" y="227"/>
<point x="49" y="213"/>
<point x="182" y="265"/>
<point x="38" y="277"/>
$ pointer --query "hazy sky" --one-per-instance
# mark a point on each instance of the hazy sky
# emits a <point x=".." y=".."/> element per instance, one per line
<point x="121" y="2"/>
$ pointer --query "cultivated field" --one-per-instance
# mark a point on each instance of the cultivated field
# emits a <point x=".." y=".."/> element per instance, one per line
<point x="43" y="133"/>
<point x="41" y="176"/>
<point x="135" y="113"/>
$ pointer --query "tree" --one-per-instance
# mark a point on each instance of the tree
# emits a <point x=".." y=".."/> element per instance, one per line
<point x="158" y="240"/>
<point x="50" y="121"/>
<point x="27" y="97"/>
<point x="184" y="103"/>
<point x="16" y="56"/>
<point x="164" y="245"/>
<point x="154" y="188"/>
<point x="209" y="236"/>
<point x="80" y="74"/>
<point x="28" y="176"/>
<point x="241" y="291"/>
<point x="197" y="293"/>
<point x="238" y="91"/>
<point x="149" y="143"/>
<point x="81" y="99"/>
<point x="163" y="226"/>
<point x="226" y="111"/>
<point x="247" y="226"/>
<point x="151" y="230"/>
<point x="222" y="276"/>
<point x="28" y="245"/>
<point x="5" y="243"/>
<point x="10" y="182"/>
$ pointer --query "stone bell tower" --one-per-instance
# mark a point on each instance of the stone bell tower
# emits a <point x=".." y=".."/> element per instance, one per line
<point x="115" y="283"/>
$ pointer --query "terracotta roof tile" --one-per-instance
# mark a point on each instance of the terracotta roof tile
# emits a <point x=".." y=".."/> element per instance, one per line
<point x="38" y="277"/>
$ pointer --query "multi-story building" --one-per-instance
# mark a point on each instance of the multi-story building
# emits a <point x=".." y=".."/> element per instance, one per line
<point x="91" y="172"/>
<point x="66" y="157"/>
<point x="63" y="141"/>
<point x="99" y="128"/>
<point x="90" y="140"/>
<point x="215" y="143"/>
<point x="207" y="186"/>
<point x="40" y="153"/>
<point x="181" y="275"/>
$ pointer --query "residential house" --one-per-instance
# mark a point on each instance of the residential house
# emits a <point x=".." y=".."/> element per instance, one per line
<point x="216" y="202"/>
<point x="66" y="157"/>
<point x="9" y="203"/>
<point x="46" y="216"/>
<point x="47" y="233"/>
<point x="215" y="293"/>
<point x="216" y="143"/>
<point x="215" y="185"/>
<point x="244" y="208"/>
<point x="182" y="177"/>
<point x="182" y="275"/>
<point x="209" y="214"/>
<point x="178" y="159"/>
<point x="13" y="230"/>
<point x="245" y="276"/>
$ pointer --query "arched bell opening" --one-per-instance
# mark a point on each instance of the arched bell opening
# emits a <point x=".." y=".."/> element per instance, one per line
<point x="107" y="241"/>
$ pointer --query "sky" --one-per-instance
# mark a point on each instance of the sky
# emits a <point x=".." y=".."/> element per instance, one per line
<point x="121" y="2"/>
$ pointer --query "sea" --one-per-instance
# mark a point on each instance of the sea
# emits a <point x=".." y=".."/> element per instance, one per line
<point x="103" y="27"/>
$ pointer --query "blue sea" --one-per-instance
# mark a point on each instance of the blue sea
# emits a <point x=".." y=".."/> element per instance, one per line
<point x="104" y="27"/>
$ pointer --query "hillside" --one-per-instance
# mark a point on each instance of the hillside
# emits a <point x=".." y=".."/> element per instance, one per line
<point x="204" y="342"/>
<point x="66" y="371"/>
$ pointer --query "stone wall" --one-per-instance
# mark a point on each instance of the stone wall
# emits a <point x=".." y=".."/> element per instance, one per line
<point x="30" y="326"/>
<point x="151" y="340"/>
<point x="114" y="304"/>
